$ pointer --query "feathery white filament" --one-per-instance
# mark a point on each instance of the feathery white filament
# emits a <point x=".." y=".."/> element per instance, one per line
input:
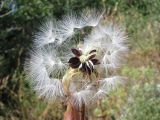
<point x="91" y="17"/>
<point x="48" y="88"/>
<point x="82" y="97"/>
<point x="107" y="85"/>
<point x="54" y="62"/>
<point x="109" y="39"/>
<point x="65" y="27"/>
<point x="46" y="34"/>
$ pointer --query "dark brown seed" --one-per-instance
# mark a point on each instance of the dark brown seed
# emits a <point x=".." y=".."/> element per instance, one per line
<point x="85" y="69"/>
<point x="92" y="56"/>
<point x="74" y="62"/>
<point x="76" y="52"/>
<point x="92" y="51"/>
<point x="95" y="61"/>
<point x="88" y="70"/>
<point x="91" y="66"/>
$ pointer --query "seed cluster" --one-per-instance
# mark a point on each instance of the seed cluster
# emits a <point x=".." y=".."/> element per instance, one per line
<point x="84" y="63"/>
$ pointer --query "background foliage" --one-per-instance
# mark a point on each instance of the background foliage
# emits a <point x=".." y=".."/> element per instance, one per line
<point x="139" y="99"/>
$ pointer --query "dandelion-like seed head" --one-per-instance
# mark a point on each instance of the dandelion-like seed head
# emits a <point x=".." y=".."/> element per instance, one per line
<point x="61" y="69"/>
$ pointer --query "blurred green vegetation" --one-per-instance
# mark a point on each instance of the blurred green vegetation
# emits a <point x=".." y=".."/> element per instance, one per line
<point x="139" y="99"/>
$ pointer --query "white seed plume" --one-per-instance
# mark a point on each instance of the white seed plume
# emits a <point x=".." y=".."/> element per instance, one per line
<point x="111" y="40"/>
<point x="48" y="60"/>
<point x="91" y="17"/>
<point x="46" y="87"/>
<point x="46" y="34"/>
<point x="82" y="97"/>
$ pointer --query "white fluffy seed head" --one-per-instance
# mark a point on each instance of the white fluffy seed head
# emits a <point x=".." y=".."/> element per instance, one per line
<point x="48" y="60"/>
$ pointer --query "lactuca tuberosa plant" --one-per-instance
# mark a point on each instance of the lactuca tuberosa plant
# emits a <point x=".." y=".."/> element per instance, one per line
<point x="74" y="61"/>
